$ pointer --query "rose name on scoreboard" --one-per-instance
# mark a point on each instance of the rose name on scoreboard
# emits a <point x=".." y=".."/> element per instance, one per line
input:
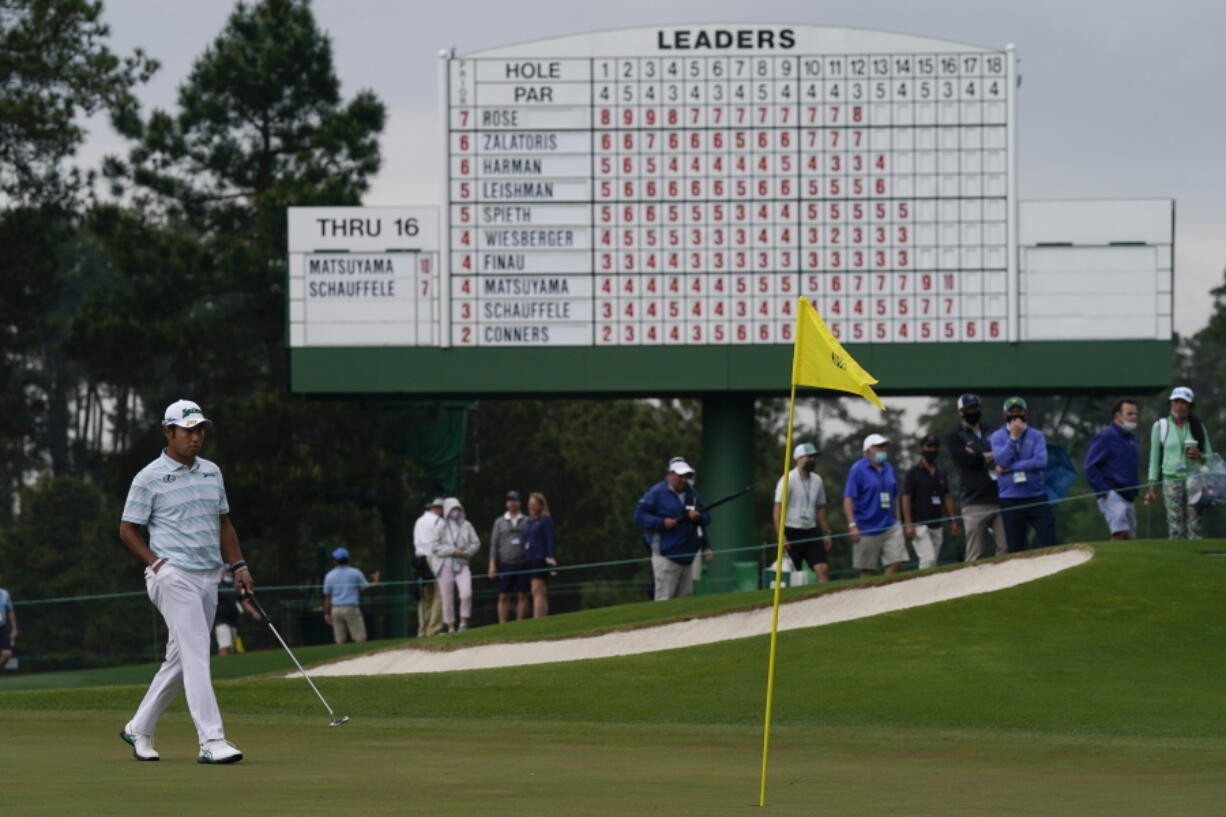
<point x="682" y="186"/>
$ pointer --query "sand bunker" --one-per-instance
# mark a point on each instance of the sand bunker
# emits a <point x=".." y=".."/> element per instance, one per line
<point x="843" y="605"/>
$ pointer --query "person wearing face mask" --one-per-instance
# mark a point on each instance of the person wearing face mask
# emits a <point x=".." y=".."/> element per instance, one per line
<point x="1111" y="470"/>
<point x="670" y="520"/>
<point x="1178" y="443"/>
<point x="455" y="542"/>
<point x="806" y="513"/>
<point x="925" y="501"/>
<point x="225" y="621"/>
<point x="870" y="503"/>
<point x="971" y="451"/>
<point x="1021" y="462"/>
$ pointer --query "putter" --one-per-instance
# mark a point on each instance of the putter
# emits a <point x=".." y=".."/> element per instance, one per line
<point x="336" y="720"/>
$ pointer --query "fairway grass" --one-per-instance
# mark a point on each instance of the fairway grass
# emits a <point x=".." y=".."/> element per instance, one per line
<point x="1097" y="691"/>
<point x="298" y="767"/>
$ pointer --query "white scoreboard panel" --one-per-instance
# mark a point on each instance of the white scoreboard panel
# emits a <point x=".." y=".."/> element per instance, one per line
<point x="363" y="276"/>
<point x="682" y="185"/>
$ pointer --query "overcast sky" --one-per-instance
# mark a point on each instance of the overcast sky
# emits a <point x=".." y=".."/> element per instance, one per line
<point x="1119" y="98"/>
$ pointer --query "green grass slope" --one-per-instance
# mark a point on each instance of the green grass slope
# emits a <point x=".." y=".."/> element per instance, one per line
<point x="1097" y="691"/>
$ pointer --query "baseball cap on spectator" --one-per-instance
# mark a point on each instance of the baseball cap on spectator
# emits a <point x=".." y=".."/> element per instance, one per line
<point x="513" y="495"/>
<point x="340" y="554"/>
<point x="874" y="439"/>
<point x="680" y="467"/>
<point x="437" y="502"/>
<point x="1015" y="402"/>
<point x="183" y="413"/>
<point x="805" y="450"/>
<point x="967" y="400"/>
<point x="931" y="439"/>
<point x="1183" y="393"/>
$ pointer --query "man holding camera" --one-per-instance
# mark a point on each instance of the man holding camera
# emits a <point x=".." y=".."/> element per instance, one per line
<point x="670" y="518"/>
<point x="1021" y="460"/>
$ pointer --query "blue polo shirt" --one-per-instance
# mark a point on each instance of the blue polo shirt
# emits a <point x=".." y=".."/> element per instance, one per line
<point x="182" y="507"/>
<point x="6" y="604"/>
<point x="343" y="583"/>
<point x="874" y="494"/>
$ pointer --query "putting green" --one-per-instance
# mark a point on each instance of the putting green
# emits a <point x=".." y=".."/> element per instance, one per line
<point x="1096" y="691"/>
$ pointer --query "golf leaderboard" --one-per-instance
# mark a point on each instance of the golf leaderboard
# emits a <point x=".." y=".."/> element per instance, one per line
<point x="685" y="185"/>
<point x="679" y="187"/>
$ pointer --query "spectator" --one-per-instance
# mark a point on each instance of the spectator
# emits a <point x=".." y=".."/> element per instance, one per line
<point x="870" y="503"/>
<point x="1021" y="459"/>
<point x="540" y="551"/>
<point x="225" y="622"/>
<point x="180" y="498"/>
<point x="8" y="628"/>
<point x="971" y="450"/>
<point x="1111" y="470"/>
<point x="455" y="542"/>
<point x="430" y="605"/>
<point x="507" y="560"/>
<point x="806" y="513"/>
<point x="669" y="516"/>
<point x="925" y="501"/>
<point x="1177" y="443"/>
<point x="342" y="586"/>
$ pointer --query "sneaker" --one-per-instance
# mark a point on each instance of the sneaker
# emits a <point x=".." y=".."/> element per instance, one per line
<point x="142" y="745"/>
<point x="463" y="627"/>
<point x="219" y="751"/>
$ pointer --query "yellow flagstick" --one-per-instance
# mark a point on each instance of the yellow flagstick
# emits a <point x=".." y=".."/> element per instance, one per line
<point x="783" y="515"/>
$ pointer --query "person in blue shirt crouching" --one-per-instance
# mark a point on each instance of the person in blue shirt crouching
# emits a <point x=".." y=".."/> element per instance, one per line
<point x="1021" y="460"/>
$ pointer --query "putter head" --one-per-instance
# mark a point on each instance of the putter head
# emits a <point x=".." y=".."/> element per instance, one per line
<point x="337" y="721"/>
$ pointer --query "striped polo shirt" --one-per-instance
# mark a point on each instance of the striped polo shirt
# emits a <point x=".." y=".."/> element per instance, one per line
<point x="182" y="508"/>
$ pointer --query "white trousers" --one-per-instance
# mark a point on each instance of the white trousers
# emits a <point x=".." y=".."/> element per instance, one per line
<point x="448" y="580"/>
<point x="672" y="580"/>
<point x="927" y="544"/>
<point x="187" y="600"/>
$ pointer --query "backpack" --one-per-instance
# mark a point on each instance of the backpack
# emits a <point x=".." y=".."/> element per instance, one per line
<point x="1164" y="426"/>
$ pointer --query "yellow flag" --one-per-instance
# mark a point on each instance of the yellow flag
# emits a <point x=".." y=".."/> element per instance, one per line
<point x="818" y="359"/>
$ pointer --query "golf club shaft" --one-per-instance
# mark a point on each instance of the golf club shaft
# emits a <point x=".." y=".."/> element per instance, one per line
<point x="260" y="607"/>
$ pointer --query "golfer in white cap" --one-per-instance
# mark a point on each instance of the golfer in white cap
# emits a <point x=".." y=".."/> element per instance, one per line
<point x="181" y="499"/>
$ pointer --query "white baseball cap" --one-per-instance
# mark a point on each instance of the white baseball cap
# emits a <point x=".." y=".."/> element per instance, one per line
<point x="805" y="450"/>
<point x="680" y="467"/>
<point x="1182" y="393"/>
<point x="184" y="413"/>
<point x="874" y="439"/>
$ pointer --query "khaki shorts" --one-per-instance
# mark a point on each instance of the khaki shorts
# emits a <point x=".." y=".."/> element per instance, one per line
<point x="880" y="549"/>
<point x="347" y="621"/>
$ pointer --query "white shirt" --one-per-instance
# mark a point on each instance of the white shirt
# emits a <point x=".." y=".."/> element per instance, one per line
<point x="423" y="533"/>
<point x="805" y="496"/>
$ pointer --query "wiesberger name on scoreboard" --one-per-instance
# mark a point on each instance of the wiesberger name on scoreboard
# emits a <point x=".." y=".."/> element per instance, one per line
<point x="682" y="185"/>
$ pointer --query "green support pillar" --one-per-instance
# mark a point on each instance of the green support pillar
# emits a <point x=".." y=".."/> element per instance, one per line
<point x="727" y="466"/>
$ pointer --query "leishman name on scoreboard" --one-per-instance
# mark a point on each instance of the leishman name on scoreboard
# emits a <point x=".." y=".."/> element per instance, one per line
<point x="722" y="39"/>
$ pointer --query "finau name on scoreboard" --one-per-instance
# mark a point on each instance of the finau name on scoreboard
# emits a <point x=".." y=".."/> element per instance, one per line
<point x="511" y="167"/>
<point x="529" y="238"/>
<point x="750" y="38"/>
<point x="517" y="190"/>
<point x="525" y="286"/>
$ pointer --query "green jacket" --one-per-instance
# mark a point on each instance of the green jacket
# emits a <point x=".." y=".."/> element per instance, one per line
<point x="1175" y="462"/>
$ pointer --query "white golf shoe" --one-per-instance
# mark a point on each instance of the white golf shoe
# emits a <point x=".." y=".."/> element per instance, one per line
<point x="142" y="745"/>
<point x="219" y="751"/>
